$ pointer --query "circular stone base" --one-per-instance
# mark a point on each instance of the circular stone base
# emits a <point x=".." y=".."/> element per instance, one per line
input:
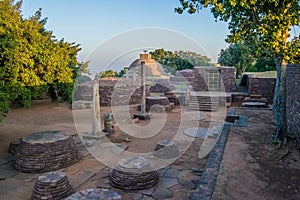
<point x="46" y="151"/>
<point x="97" y="193"/>
<point x="166" y="149"/>
<point x="135" y="173"/>
<point x="52" y="185"/>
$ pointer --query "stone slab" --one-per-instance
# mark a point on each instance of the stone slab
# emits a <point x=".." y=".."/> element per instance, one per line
<point x="97" y="193"/>
<point x="4" y="174"/>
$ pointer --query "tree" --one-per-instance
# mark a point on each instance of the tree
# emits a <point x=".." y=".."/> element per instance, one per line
<point x="194" y="58"/>
<point x="32" y="61"/>
<point x="238" y="55"/>
<point x="108" y="73"/>
<point x="265" y="24"/>
<point x="179" y="60"/>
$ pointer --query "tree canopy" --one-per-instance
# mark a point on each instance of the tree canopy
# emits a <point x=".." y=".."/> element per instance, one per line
<point x="32" y="60"/>
<point x="244" y="58"/>
<point x="266" y="24"/>
<point x="238" y="55"/>
<point x="179" y="60"/>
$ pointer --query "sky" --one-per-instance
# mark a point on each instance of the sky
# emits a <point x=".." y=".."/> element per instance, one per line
<point x="113" y="29"/>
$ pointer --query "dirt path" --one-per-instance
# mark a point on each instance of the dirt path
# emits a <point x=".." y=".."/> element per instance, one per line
<point x="252" y="168"/>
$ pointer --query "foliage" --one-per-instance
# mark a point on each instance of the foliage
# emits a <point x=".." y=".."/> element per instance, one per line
<point x="179" y="60"/>
<point x="108" y="73"/>
<point x="238" y="55"/>
<point x="244" y="58"/>
<point x="121" y="73"/>
<point x="194" y="58"/>
<point x="31" y="59"/>
<point x="266" y="25"/>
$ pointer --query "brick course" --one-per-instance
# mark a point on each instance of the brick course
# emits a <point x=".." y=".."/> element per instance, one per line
<point x="293" y="99"/>
<point x="262" y="86"/>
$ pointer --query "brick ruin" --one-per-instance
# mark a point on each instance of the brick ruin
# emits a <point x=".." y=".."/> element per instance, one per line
<point x="260" y="86"/>
<point x="183" y="76"/>
<point x="293" y="99"/>
<point x="214" y="79"/>
<point x="116" y="91"/>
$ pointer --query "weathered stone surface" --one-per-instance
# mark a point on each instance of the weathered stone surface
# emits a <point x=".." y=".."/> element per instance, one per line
<point x="161" y="193"/>
<point x="166" y="149"/>
<point x="262" y="86"/>
<point x="293" y="99"/>
<point x="95" y="194"/>
<point x="46" y="151"/>
<point x="162" y="86"/>
<point x="120" y="91"/>
<point x="4" y="174"/>
<point x="167" y="182"/>
<point x="52" y="185"/>
<point x="226" y="78"/>
<point x="135" y="173"/>
<point x="14" y="145"/>
<point x="183" y="76"/>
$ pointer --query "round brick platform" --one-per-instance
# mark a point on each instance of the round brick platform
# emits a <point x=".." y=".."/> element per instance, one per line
<point x="92" y="194"/>
<point x="166" y="149"/>
<point x="46" y="151"/>
<point x="135" y="173"/>
<point x="52" y="185"/>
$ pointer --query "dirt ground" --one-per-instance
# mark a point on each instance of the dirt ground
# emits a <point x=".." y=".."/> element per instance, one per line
<point x="254" y="169"/>
<point x="89" y="172"/>
<point x="251" y="167"/>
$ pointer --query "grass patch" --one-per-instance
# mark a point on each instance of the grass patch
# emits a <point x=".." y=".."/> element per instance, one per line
<point x="267" y="74"/>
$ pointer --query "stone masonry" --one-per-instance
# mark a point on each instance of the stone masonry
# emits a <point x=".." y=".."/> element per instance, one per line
<point x="226" y="78"/>
<point x="293" y="99"/>
<point x="119" y="91"/>
<point x="262" y="86"/>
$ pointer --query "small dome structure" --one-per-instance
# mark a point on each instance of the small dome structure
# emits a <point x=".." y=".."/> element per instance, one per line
<point x="153" y="70"/>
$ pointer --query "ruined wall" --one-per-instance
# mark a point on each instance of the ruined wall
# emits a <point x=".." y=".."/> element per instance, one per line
<point x="119" y="91"/>
<point x="293" y="99"/>
<point x="200" y="79"/>
<point x="228" y="78"/>
<point x="183" y="76"/>
<point x="262" y="86"/>
<point x="84" y="91"/>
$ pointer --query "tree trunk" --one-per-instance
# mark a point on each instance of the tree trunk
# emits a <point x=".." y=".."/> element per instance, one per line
<point x="279" y="103"/>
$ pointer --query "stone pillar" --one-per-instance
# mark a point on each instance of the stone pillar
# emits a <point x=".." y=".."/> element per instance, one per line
<point x="143" y="104"/>
<point x="96" y="128"/>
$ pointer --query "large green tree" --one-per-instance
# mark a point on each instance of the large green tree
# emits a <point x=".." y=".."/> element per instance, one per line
<point x="194" y="58"/>
<point x="179" y="60"/>
<point x="265" y="24"/>
<point x="32" y="61"/>
<point x="238" y="55"/>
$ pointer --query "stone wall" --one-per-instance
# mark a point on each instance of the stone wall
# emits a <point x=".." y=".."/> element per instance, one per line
<point x="293" y="99"/>
<point x="162" y="86"/>
<point x="84" y="91"/>
<point x="227" y="78"/>
<point x="183" y="76"/>
<point x="262" y="86"/>
<point x="200" y="77"/>
<point x="119" y="91"/>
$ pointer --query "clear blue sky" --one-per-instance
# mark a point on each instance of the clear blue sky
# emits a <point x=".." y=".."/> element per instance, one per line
<point x="93" y="22"/>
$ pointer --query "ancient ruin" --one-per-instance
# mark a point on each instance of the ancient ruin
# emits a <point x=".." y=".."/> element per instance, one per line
<point x="135" y="173"/>
<point x="46" y="151"/>
<point x="52" y="185"/>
